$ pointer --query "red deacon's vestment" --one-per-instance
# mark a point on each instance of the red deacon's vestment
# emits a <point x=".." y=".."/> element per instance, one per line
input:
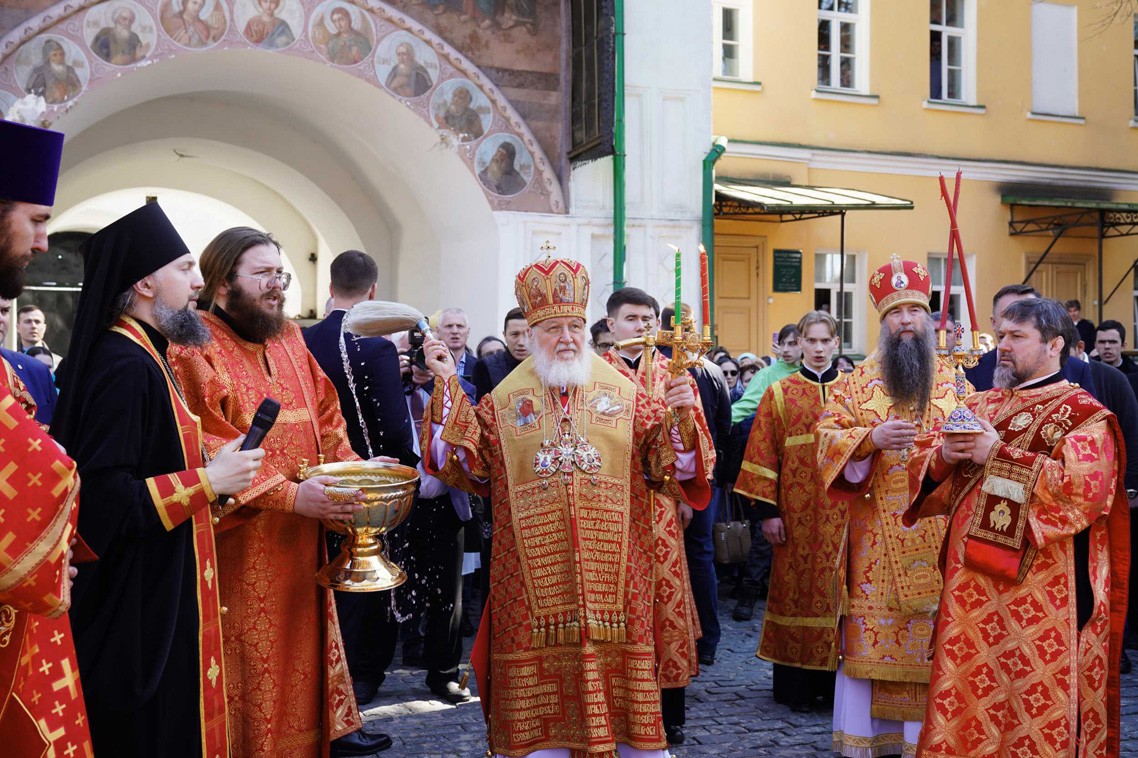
<point x="1013" y="671"/>
<point x="288" y="684"/>
<point x="41" y="702"/>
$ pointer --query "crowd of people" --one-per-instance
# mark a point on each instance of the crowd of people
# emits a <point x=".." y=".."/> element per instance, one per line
<point x="944" y="592"/>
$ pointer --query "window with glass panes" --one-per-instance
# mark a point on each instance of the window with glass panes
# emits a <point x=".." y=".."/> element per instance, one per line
<point x="732" y="29"/>
<point x="947" y="33"/>
<point x="586" y="72"/>
<point x="956" y="308"/>
<point x="827" y="275"/>
<point x="838" y="22"/>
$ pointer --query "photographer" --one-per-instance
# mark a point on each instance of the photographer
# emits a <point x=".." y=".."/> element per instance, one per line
<point x="434" y="548"/>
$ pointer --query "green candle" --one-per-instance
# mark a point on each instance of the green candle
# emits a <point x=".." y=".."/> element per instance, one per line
<point x="679" y="290"/>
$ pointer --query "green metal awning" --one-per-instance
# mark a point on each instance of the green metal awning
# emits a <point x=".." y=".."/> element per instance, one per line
<point x="1057" y="217"/>
<point x="743" y="198"/>
<point x="1074" y="217"/>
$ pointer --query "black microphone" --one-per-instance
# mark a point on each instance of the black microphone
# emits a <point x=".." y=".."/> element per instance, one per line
<point x="263" y="421"/>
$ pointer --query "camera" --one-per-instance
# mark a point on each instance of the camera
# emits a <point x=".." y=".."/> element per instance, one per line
<point x="415" y="354"/>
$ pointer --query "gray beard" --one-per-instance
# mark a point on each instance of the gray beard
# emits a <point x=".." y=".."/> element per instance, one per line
<point x="121" y="34"/>
<point x="908" y="367"/>
<point x="182" y="326"/>
<point x="59" y="70"/>
<point x="558" y="373"/>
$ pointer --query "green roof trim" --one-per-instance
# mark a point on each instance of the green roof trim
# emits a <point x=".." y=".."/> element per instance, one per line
<point x="748" y="197"/>
<point x="1069" y="202"/>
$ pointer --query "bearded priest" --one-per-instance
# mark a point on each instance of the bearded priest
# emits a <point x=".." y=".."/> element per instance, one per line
<point x="570" y="448"/>
<point x="1036" y="560"/>
<point x="891" y="582"/>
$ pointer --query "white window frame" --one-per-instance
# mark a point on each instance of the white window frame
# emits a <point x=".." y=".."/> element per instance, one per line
<point x="1134" y="61"/>
<point x="936" y="260"/>
<point x="860" y="20"/>
<point x="1042" y="64"/>
<point x="745" y="43"/>
<point x="967" y="36"/>
<point x="856" y="319"/>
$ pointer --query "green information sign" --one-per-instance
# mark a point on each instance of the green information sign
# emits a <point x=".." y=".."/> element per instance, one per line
<point x="787" y="271"/>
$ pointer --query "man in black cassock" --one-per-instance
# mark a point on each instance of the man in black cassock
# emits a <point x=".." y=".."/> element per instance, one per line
<point x="146" y="616"/>
<point x="365" y="371"/>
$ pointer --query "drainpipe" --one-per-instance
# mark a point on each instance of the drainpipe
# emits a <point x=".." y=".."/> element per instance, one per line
<point x="618" y="153"/>
<point x="718" y="147"/>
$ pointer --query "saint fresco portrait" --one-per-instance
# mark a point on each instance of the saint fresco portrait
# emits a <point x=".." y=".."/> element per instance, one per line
<point x="460" y="108"/>
<point x="406" y="66"/>
<point x="120" y="32"/>
<point x="269" y="24"/>
<point x="342" y="33"/>
<point x="505" y="167"/>
<point x="194" y="24"/>
<point x="53" y="67"/>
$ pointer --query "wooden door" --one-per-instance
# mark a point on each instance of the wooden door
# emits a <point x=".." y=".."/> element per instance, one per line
<point x="738" y="281"/>
<point x="1062" y="278"/>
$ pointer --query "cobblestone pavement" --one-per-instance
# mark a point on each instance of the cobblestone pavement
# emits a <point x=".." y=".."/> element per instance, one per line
<point x="730" y="710"/>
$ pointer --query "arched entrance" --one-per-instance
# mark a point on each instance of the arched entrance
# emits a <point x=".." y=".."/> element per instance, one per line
<point x="324" y="152"/>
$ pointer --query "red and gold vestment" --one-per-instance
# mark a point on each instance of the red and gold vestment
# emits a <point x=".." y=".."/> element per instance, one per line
<point x="677" y="622"/>
<point x="780" y="467"/>
<point x="573" y="643"/>
<point x="892" y="584"/>
<point x="288" y="684"/>
<point x="41" y="703"/>
<point x="1013" y="673"/>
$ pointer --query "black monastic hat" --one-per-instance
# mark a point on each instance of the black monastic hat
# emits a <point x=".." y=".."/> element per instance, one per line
<point x="114" y="258"/>
<point x="30" y="157"/>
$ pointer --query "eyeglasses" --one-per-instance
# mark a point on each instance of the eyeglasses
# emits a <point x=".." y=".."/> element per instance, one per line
<point x="267" y="279"/>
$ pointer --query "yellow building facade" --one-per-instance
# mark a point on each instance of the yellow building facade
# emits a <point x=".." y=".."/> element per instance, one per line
<point x="1033" y="101"/>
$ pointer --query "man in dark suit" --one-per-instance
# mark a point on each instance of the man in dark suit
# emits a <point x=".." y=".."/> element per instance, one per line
<point x="1110" y="341"/>
<point x="365" y="371"/>
<point x="1084" y="326"/>
<point x="980" y="375"/>
<point x="35" y="375"/>
<point x="495" y="367"/>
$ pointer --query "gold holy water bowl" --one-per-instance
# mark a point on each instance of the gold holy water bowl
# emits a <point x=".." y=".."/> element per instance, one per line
<point x="389" y="490"/>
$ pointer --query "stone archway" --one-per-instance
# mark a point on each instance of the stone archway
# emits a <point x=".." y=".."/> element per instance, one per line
<point x="289" y="135"/>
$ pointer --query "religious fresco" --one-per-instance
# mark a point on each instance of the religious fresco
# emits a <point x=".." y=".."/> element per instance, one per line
<point x="405" y="65"/>
<point x="120" y="32"/>
<point x="6" y="100"/>
<point x="505" y="167"/>
<point x="53" y="67"/>
<point x="269" y="24"/>
<point x="461" y="109"/>
<point x="194" y="24"/>
<point x="342" y="33"/>
<point x="70" y="50"/>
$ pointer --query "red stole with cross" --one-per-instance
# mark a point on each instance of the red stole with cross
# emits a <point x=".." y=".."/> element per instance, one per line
<point x="178" y="497"/>
<point x="41" y="702"/>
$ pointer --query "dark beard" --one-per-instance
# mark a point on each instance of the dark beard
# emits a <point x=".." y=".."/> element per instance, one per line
<point x="181" y="326"/>
<point x="254" y="323"/>
<point x="908" y="367"/>
<point x="12" y="274"/>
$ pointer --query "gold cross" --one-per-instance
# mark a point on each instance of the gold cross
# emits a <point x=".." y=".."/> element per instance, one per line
<point x="29" y="653"/>
<point x="548" y="248"/>
<point x="9" y="538"/>
<point x="208" y="574"/>
<point x="181" y="495"/>
<point x="6" y="418"/>
<point x="50" y="735"/>
<point x="34" y="514"/>
<point x="58" y="709"/>
<point x="69" y="680"/>
<point x="36" y="479"/>
<point x="6" y="488"/>
<point x="70" y="750"/>
<point x="57" y="637"/>
<point x="65" y="478"/>
<point x="45" y="669"/>
<point x="81" y="719"/>
<point x="213" y="671"/>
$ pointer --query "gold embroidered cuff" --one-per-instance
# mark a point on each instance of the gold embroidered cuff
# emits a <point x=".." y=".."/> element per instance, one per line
<point x="687" y="429"/>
